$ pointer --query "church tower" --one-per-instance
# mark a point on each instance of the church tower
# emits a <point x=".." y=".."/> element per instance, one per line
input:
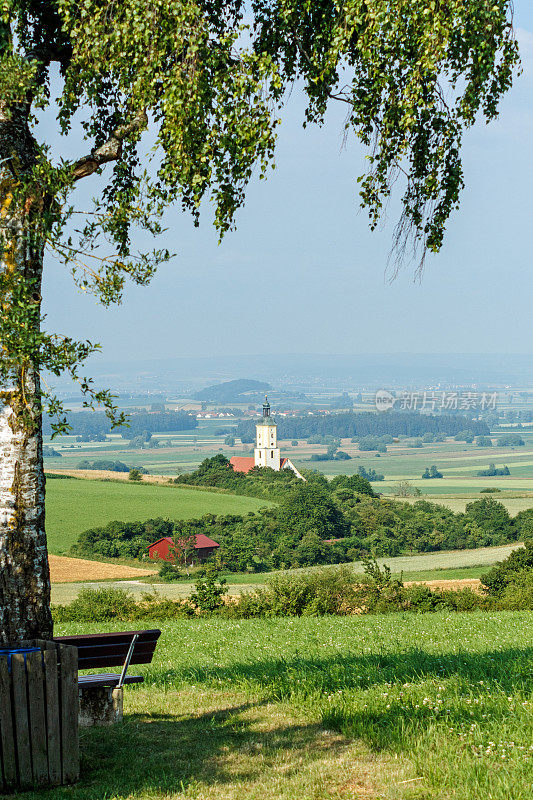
<point x="267" y="453"/>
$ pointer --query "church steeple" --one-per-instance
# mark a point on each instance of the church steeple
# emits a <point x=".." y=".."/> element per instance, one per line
<point x="267" y="453"/>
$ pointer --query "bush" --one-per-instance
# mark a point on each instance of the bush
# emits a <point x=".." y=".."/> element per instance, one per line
<point x="323" y="591"/>
<point x="168" y="572"/>
<point x="209" y="590"/>
<point x="510" y="440"/>
<point x="50" y="452"/>
<point x="370" y="474"/>
<point x="518" y="594"/>
<point x="505" y="572"/>
<point x="372" y="443"/>
<point x="493" y="518"/>
<point x="135" y="475"/>
<point x="464" y="436"/>
<point x="493" y="471"/>
<point x="432" y="472"/>
<point x="101" y="605"/>
<point x="97" y="605"/>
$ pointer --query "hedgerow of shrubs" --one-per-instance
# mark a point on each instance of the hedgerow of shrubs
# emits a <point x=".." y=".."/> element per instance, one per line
<point x="338" y="591"/>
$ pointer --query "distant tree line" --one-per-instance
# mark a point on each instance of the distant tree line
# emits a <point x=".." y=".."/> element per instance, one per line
<point x="367" y="423"/>
<point x="88" y="424"/>
<point x="109" y="466"/>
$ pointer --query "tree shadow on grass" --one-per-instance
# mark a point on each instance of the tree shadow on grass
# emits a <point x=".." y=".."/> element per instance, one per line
<point x="163" y="754"/>
<point x="160" y="754"/>
<point x="483" y="677"/>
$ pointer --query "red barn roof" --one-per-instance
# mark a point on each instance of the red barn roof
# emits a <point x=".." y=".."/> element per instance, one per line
<point x="204" y="541"/>
<point x="242" y="463"/>
<point x="201" y="541"/>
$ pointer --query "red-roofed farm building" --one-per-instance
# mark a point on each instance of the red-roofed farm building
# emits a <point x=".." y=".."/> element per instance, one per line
<point x="163" y="549"/>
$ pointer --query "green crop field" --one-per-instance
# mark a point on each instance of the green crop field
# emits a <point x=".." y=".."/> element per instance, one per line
<point x="513" y="504"/>
<point x="72" y="506"/>
<point x="393" y="707"/>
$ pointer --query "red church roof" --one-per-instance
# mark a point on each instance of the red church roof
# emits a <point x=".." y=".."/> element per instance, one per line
<point x="242" y="463"/>
<point x="246" y="463"/>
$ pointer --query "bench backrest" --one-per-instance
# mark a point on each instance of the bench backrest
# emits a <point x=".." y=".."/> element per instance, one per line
<point x="99" y="650"/>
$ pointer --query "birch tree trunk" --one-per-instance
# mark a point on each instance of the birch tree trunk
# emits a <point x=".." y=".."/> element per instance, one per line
<point x="24" y="575"/>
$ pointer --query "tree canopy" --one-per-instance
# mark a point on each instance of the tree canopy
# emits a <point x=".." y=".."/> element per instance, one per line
<point x="206" y="82"/>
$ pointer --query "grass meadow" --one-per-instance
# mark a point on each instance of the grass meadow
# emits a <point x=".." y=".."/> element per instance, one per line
<point x="397" y="707"/>
<point x="73" y="506"/>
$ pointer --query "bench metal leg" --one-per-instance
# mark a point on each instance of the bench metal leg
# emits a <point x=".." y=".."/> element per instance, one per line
<point x="100" y="705"/>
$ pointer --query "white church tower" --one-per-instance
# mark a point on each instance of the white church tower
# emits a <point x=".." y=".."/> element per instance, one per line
<point x="267" y="452"/>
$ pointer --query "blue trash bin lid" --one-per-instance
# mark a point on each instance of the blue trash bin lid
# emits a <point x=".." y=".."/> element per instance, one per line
<point x="11" y="651"/>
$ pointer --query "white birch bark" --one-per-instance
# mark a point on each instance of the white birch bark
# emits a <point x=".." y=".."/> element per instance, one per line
<point x="24" y="575"/>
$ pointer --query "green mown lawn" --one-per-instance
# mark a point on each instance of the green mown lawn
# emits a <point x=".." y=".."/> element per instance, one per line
<point x="73" y="506"/>
<point x="425" y="707"/>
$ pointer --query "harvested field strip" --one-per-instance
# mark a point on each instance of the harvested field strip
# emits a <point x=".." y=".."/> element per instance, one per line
<point x="459" y="583"/>
<point x="72" y="570"/>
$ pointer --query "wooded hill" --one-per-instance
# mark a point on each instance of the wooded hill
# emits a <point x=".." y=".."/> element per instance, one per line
<point x="316" y="522"/>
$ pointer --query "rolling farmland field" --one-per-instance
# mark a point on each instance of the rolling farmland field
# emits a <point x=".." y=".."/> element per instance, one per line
<point x="459" y="462"/>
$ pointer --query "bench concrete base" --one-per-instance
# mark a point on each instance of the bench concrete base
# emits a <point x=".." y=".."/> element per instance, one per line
<point x="100" y="705"/>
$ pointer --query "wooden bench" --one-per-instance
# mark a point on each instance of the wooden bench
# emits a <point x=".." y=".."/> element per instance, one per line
<point x="101" y="694"/>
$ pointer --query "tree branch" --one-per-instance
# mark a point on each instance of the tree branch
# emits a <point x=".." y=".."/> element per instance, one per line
<point x="110" y="150"/>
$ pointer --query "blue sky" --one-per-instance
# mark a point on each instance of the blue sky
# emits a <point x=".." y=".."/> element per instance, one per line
<point x="302" y="237"/>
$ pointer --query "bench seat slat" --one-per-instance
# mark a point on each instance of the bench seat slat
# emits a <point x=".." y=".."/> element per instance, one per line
<point x="98" y="662"/>
<point x="106" y="679"/>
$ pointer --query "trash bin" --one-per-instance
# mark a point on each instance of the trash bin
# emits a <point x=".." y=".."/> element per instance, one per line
<point x="38" y="715"/>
